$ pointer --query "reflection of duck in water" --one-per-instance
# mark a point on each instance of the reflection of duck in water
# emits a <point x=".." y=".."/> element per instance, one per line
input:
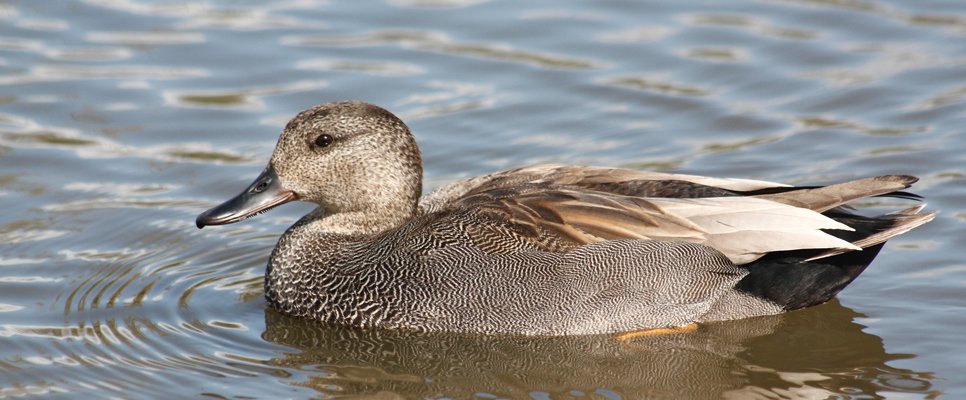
<point x="547" y="250"/>
<point x="819" y="352"/>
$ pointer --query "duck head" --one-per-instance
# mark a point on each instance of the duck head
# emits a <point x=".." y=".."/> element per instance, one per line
<point x="350" y="157"/>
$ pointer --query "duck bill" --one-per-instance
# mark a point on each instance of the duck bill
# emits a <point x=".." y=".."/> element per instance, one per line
<point x="262" y="195"/>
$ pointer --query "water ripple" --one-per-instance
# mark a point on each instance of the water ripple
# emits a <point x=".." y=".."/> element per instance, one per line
<point x="436" y="3"/>
<point x="247" y="20"/>
<point x="655" y="84"/>
<point x="893" y="150"/>
<point x="640" y="34"/>
<point x="101" y="204"/>
<point x="126" y="189"/>
<point x="49" y="25"/>
<point x="138" y="278"/>
<point x="60" y="73"/>
<point x="133" y="345"/>
<point x="383" y="68"/>
<point x="153" y="9"/>
<point x="947" y="96"/>
<point x="890" y="61"/>
<point x="452" y="97"/>
<point x="161" y="266"/>
<point x="719" y="145"/>
<point x="89" y="54"/>
<point x="241" y="98"/>
<point x="32" y="390"/>
<point x="438" y="42"/>
<point x="17" y="44"/>
<point x="8" y="12"/>
<point x="25" y="235"/>
<point x="584" y="143"/>
<point x="935" y="272"/>
<point x="830" y="122"/>
<point x="24" y="133"/>
<point x="718" y="54"/>
<point x="753" y="24"/>
<point x="954" y="23"/>
<point x="202" y="11"/>
<point x="561" y="14"/>
<point x="145" y="38"/>
<point x="703" y="147"/>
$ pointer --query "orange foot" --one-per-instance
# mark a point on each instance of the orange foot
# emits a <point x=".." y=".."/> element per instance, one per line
<point x="658" y="331"/>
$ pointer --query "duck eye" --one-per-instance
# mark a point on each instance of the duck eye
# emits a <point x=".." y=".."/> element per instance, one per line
<point x="323" y="140"/>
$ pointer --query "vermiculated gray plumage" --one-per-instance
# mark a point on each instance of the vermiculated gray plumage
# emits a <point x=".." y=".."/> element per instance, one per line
<point x="430" y="275"/>
<point x="543" y="250"/>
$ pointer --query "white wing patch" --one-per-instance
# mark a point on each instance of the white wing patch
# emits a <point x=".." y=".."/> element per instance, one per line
<point x="746" y="228"/>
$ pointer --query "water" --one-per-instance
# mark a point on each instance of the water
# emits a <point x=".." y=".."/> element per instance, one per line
<point x="121" y="120"/>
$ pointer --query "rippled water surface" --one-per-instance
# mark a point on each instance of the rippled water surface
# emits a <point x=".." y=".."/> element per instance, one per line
<point x="121" y="120"/>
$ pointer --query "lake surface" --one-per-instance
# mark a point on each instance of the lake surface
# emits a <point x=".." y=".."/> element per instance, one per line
<point x="121" y="120"/>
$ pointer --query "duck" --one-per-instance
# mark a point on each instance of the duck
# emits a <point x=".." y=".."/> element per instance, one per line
<point x="543" y="250"/>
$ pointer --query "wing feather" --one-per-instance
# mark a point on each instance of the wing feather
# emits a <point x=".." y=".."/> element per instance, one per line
<point x="743" y="228"/>
<point x="580" y="205"/>
<point x="575" y="176"/>
<point x="825" y="198"/>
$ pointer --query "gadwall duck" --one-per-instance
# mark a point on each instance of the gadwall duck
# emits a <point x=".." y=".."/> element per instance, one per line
<point x="543" y="250"/>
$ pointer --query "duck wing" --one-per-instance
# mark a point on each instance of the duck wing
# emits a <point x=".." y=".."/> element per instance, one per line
<point x="742" y="228"/>
<point x="825" y="198"/>
<point x="612" y="180"/>
<point x="561" y="207"/>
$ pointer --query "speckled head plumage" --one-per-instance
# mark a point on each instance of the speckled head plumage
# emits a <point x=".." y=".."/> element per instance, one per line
<point x="368" y="162"/>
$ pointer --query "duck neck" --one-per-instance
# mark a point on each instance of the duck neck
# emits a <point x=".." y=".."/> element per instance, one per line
<point x="320" y="252"/>
<point x="304" y="264"/>
<point x="367" y="219"/>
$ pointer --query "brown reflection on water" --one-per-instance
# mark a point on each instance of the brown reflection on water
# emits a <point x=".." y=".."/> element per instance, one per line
<point x="815" y="353"/>
<point x="16" y="132"/>
<point x="439" y="42"/>
<point x="61" y="73"/>
<point x="656" y="85"/>
<point x="238" y="98"/>
<point x="752" y="23"/>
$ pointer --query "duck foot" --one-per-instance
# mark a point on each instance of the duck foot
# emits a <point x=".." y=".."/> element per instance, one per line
<point x="659" y="331"/>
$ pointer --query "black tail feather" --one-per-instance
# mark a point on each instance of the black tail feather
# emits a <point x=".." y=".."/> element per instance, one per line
<point x="785" y="279"/>
<point x="784" y="189"/>
<point x="804" y="278"/>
